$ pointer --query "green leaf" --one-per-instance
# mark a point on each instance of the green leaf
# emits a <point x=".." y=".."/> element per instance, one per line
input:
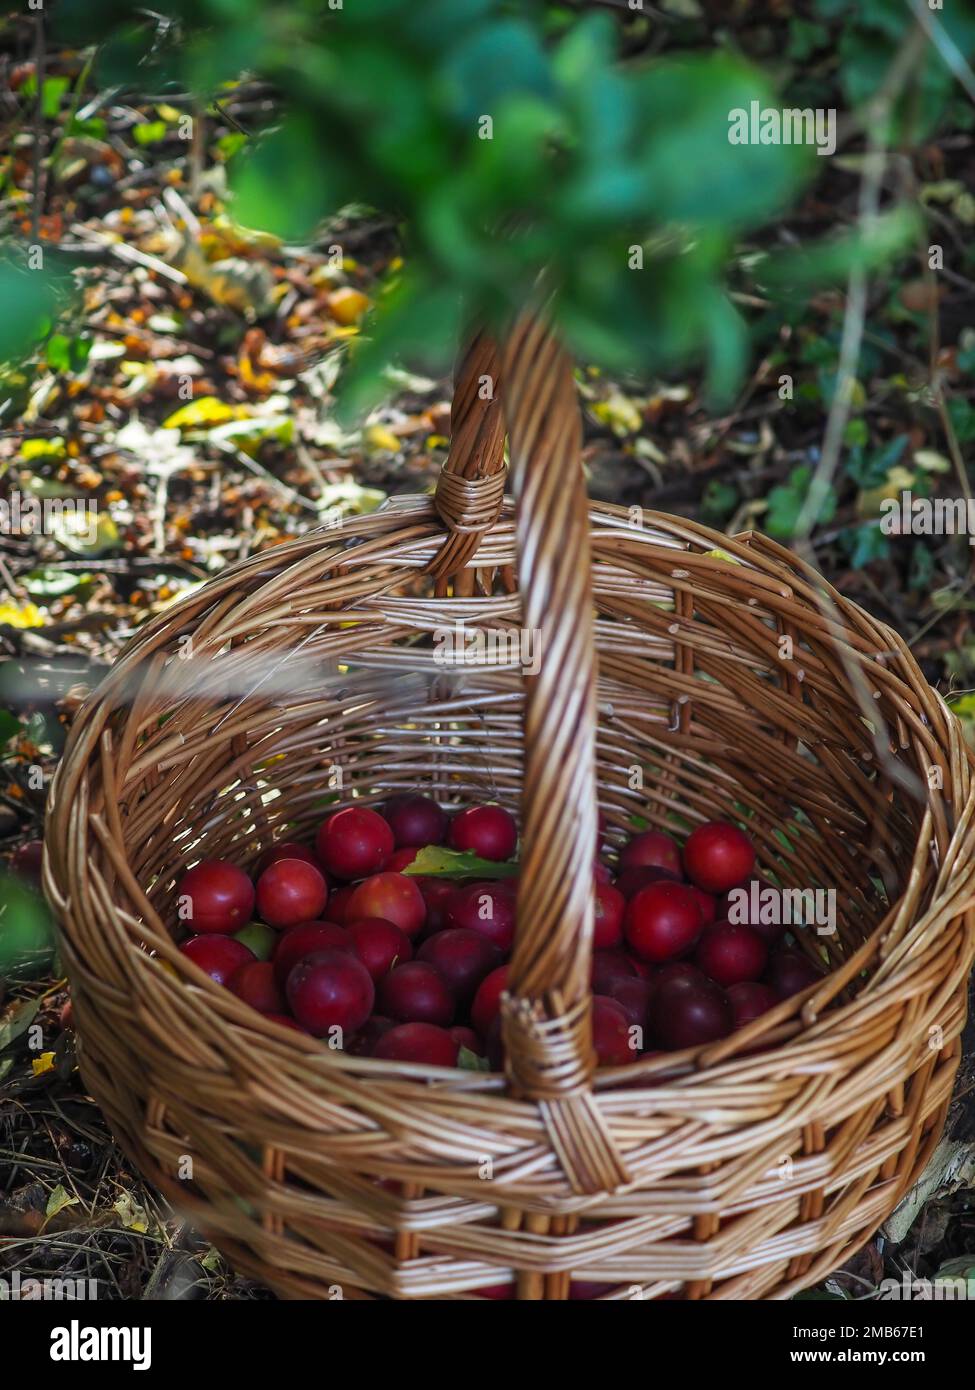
<point x="864" y="544"/>
<point x="453" y="863"/>
<point x="51" y="93"/>
<point x="9" y="726"/>
<point x="58" y="1200"/>
<point x="26" y="930"/>
<point x="28" y="299"/>
<point x="66" y="354"/>
<point x="787" y="503"/>
<point x="470" y="1061"/>
<point x="287" y="181"/>
<point x="500" y="59"/>
<point x="149" y="132"/>
<point x="17" y="1020"/>
<point x="684" y="108"/>
<point x="868" y="248"/>
<point x="53" y="583"/>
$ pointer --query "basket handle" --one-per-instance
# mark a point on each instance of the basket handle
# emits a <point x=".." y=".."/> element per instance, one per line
<point x="546" y="1014"/>
<point x="470" y="489"/>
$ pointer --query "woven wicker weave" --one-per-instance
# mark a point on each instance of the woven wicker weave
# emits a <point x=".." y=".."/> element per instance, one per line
<point x="747" y="1169"/>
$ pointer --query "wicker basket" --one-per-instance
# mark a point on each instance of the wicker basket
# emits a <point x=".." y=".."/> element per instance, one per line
<point x="747" y="1169"/>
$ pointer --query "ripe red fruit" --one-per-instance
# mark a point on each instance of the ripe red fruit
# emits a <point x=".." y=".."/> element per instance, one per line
<point x="435" y="893"/>
<point x="601" y="873"/>
<point x="730" y="954"/>
<point x="288" y="849"/>
<point x="608" y="966"/>
<point x="651" y="849"/>
<point x="611" y="1033"/>
<point x="330" y="989"/>
<point x="286" y="1021"/>
<point x="354" y="842"/>
<point x="255" y="984"/>
<point x="749" y="1001"/>
<point x="633" y="996"/>
<point x="662" y="921"/>
<point x="401" y="859"/>
<point x="488" y="831"/>
<point x="673" y="970"/>
<point x="291" y="891"/>
<point x="481" y="907"/>
<point x="363" y="1043"/>
<point x="416" y="993"/>
<point x="337" y="901"/>
<point x="494" y="1044"/>
<point x="608" y="923"/>
<point x="717" y="856"/>
<point x="393" y="897"/>
<point x="218" y="956"/>
<point x="487" y="1000"/>
<point x="418" y="1042"/>
<point x="463" y="957"/>
<point x="686" y="1013"/>
<point x="379" y="944"/>
<point x="630" y="882"/>
<point x="586" y="1290"/>
<point x="415" y="821"/>
<point x="25" y="861"/>
<point x="216" y="896"/>
<point x="789" y="973"/>
<point x="707" y="904"/>
<point x="466" y="1037"/>
<point x="306" y="939"/>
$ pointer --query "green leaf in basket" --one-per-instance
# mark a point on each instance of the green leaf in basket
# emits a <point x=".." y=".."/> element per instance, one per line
<point x="469" y="1061"/>
<point x="437" y="862"/>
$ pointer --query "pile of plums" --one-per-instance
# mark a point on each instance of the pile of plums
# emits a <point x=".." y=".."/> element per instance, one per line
<point x="337" y="940"/>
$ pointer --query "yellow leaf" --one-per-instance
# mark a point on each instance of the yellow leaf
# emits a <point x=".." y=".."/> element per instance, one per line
<point x="22" y="615"/>
<point x="899" y="479"/>
<point x="53" y="448"/>
<point x="58" y="1200"/>
<point x="347" y="305"/>
<point x="40" y="1065"/>
<point x="132" y="1216"/>
<point x="379" y="437"/>
<point x="208" y="410"/>
<point x="619" y="413"/>
<point x="722" y="555"/>
<point x="84" y="533"/>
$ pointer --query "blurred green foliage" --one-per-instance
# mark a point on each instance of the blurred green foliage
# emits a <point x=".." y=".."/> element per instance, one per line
<point x="510" y="141"/>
